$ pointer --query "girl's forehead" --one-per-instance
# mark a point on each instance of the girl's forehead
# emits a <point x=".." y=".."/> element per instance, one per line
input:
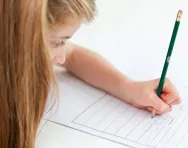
<point x="65" y="31"/>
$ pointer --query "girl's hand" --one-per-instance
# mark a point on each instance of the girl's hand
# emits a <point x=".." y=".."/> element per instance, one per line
<point x="143" y="95"/>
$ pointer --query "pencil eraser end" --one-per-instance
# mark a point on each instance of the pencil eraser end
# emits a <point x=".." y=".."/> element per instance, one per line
<point x="180" y="11"/>
<point x="179" y="15"/>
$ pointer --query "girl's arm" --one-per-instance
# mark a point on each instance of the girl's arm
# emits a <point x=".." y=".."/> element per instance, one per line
<point x="92" y="68"/>
<point x="96" y="71"/>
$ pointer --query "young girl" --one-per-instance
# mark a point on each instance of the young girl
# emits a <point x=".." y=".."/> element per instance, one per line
<point x="33" y="36"/>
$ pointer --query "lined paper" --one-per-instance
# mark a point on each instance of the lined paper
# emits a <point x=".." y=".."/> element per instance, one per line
<point x="100" y="114"/>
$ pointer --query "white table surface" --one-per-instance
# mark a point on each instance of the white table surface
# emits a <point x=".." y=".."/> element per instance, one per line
<point x="126" y="32"/>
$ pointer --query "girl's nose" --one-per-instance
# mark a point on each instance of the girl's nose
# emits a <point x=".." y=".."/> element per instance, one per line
<point x="59" y="59"/>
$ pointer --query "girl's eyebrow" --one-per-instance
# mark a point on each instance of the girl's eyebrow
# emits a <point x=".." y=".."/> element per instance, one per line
<point x="65" y="37"/>
<point x="60" y="37"/>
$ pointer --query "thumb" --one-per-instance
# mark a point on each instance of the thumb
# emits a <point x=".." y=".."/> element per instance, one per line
<point x="160" y="105"/>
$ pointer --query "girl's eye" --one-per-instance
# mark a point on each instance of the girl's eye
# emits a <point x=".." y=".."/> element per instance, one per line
<point x="55" y="45"/>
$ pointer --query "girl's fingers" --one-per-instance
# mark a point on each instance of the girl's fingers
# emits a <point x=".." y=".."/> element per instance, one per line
<point x="177" y="101"/>
<point x="159" y="104"/>
<point x="158" y="112"/>
<point x="170" y="99"/>
<point x="169" y="88"/>
<point x="150" y="109"/>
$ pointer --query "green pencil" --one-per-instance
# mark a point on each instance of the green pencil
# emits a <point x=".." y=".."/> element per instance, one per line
<point x="168" y="56"/>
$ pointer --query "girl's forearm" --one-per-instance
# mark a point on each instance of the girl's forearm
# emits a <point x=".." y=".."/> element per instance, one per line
<point x="96" y="71"/>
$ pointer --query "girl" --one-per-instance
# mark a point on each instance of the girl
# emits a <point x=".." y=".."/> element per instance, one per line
<point x="33" y="35"/>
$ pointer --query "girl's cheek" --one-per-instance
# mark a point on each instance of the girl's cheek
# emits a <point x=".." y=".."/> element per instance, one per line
<point x="52" y="55"/>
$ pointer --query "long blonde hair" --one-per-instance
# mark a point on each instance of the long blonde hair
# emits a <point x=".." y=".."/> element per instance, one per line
<point x="59" y="11"/>
<point x="25" y="71"/>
